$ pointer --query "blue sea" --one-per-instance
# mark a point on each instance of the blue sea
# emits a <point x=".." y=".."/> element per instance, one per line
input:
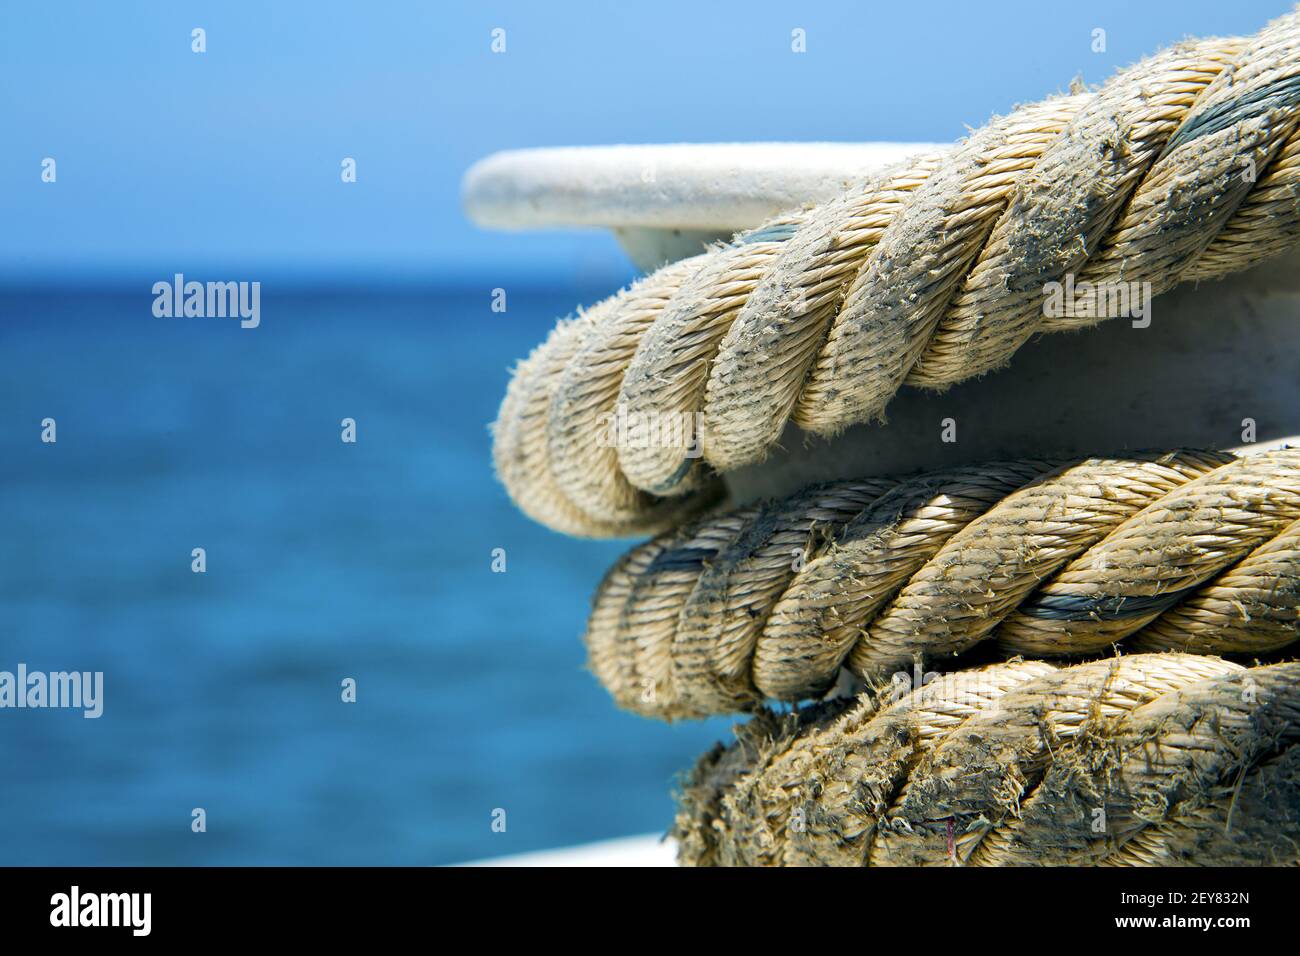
<point x="325" y="561"/>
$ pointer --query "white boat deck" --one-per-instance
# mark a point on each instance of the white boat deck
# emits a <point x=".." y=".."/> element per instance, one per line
<point x="647" y="850"/>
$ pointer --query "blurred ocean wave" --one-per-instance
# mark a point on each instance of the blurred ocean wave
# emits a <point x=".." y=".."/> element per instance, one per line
<point x="325" y="560"/>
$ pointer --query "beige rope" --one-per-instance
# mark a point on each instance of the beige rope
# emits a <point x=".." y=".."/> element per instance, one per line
<point x="1179" y="550"/>
<point x="522" y="448"/>
<point x="1185" y="166"/>
<point x="680" y="611"/>
<point x="1153" y="759"/>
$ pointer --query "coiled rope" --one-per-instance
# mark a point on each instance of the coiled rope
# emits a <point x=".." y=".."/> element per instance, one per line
<point x="1150" y="759"/>
<point x="1183" y="167"/>
<point x="1182" y="550"/>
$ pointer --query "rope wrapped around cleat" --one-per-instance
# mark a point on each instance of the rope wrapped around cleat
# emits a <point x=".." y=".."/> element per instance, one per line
<point x="1185" y="166"/>
<point x="1180" y="550"/>
<point x="1142" y="760"/>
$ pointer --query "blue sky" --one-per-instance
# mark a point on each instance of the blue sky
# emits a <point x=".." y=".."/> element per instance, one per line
<point x="174" y="161"/>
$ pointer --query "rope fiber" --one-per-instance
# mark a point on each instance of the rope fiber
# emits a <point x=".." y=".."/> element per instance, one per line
<point x="1181" y="550"/>
<point x="1148" y="760"/>
<point x="1183" y="167"/>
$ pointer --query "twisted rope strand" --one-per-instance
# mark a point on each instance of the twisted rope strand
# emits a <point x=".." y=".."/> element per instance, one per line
<point x="1185" y="166"/>
<point x="1159" y="556"/>
<point x="1236" y="826"/>
<point x="1153" y="759"/>
<point x="1167" y="751"/>
<point x="668" y="371"/>
<point x="1064" y="207"/>
<point x="1252" y="608"/>
<point x="906" y="283"/>
<point x="646" y="632"/>
<point x="524" y="448"/>
<point x="863" y="752"/>
<point x="1183" y="549"/>
<point x="968" y="774"/>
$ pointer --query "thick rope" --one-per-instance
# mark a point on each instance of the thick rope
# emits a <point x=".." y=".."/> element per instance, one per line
<point x="1184" y="550"/>
<point x="1150" y="759"/>
<point x="1183" y="167"/>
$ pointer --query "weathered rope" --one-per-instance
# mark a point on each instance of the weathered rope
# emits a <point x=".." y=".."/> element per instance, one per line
<point x="1150" y="759"/>
<point x="1183" y="550"/>
<point x="1183" y="167"/>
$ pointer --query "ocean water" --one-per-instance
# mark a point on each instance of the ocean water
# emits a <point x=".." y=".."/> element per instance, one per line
<point x="325" y="560"/>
